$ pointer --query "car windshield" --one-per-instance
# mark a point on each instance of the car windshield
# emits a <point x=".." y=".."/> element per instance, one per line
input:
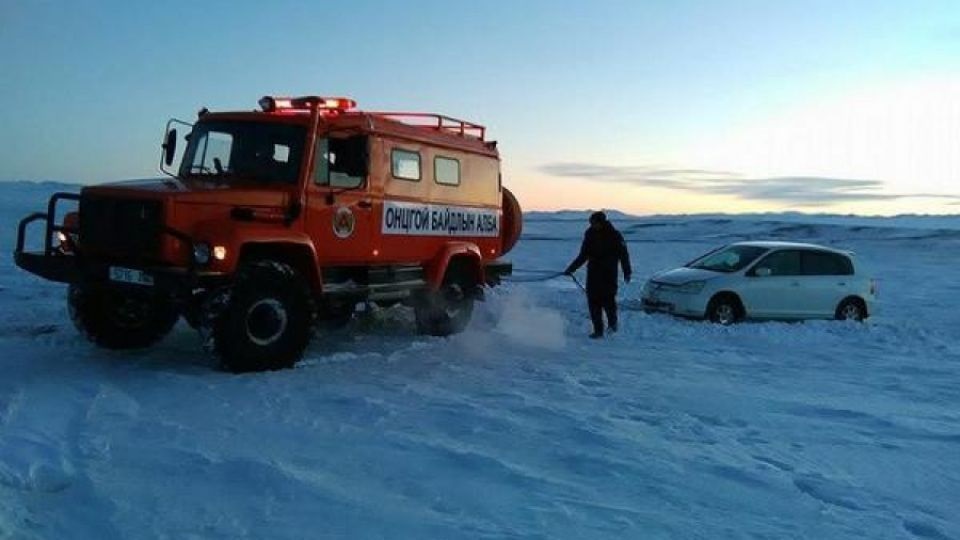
<point x="249" y="151"/>
<point x="728" y="259"/>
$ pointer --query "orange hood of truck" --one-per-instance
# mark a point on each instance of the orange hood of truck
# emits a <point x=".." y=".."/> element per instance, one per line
<point x="195" y="192"/>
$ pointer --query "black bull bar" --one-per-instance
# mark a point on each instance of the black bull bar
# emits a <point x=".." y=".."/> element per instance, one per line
<point x="48" y="264"/>
<point x="54" y="265"/>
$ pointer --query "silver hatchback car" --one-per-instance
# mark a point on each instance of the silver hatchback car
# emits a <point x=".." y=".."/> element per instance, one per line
<point x="764" y="280"/>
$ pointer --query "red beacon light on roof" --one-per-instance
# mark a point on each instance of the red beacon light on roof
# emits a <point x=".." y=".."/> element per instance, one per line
<point x="306" y="103"/>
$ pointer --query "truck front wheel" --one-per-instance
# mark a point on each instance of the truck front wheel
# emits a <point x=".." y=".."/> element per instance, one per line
<point x="120" y="318"/>
<point x="262" y="322"/>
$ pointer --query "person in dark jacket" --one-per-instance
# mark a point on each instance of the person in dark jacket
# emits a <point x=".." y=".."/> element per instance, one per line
<point x="603" y="249"/>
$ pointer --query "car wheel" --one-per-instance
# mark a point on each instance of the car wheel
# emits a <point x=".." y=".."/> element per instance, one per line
<point x="724" y="310"/>
<point x="851" y="309"/>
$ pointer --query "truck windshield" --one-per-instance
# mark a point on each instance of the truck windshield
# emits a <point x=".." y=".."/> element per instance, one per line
<point x="248" y="151"/>
<point x="728" y="259"/>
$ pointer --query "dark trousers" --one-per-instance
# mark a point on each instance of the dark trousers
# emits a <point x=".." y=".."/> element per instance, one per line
<point x="600" y="303"/>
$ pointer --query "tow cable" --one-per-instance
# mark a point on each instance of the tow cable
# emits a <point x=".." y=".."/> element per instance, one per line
<point x="546" y="275"/>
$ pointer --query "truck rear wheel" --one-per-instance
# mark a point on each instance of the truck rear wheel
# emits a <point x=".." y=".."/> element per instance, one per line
<point x="263" y="322"/>
<point x="335" y="315"/>
<point x="120" y="318"/>
<point x="447" y="310"/>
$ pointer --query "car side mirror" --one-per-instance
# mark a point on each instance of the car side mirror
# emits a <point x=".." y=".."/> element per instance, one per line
<point x="169" y="147"/>
<point x="763" y="272"/>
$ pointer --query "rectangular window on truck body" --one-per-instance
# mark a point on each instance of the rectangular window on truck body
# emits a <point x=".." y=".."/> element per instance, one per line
<point x="446" y="171"/>
<point x="405" y="164"/>
<point x="341" y="162"/>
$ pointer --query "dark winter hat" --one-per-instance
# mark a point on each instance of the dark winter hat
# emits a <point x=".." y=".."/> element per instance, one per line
<point x="598" y="217"/>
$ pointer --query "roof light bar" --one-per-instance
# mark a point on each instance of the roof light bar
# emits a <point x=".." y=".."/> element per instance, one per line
<point x="273" y="104"/>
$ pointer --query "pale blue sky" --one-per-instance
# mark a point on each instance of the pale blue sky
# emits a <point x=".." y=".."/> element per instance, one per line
<point x="87" y="87"/>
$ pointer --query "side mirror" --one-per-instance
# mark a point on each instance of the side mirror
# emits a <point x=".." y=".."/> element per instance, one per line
<point x="763" y="272"/>
<point x="169" y="147"/>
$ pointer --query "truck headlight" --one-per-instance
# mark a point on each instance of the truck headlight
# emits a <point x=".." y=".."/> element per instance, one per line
<point x="691" y="287"/>
<point x="201" y="253"/>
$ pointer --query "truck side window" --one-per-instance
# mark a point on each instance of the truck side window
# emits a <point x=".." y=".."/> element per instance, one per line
<point x="446" y="171"/>
<point x="405" y="164"/>
<point x="341" y="162"/>
<point x="212" y="145"/>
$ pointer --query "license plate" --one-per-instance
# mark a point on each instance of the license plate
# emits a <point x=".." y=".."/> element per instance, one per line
<point x="129" y="275"/>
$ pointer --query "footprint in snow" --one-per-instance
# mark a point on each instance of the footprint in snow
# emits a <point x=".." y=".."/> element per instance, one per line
<point x="774" y="463"/>
<point x="924" y="530"/>
<point x="29" y="331"/>
<point x="29" y="465"/>
<point x="828" y="491"/>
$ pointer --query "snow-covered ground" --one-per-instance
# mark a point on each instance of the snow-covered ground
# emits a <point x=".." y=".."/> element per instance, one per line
<point x="519" y="428"/>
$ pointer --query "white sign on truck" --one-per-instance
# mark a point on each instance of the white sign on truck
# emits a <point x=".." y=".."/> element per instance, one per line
<point x="400" y="218"/>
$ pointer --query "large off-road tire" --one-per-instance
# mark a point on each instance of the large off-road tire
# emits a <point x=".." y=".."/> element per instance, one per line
<point x="262" y="322"/>
<point x="852" y="309"/>
<point x="725" y="309"/>
<point x="447" y="310"/>
<point x="120" y="317"/>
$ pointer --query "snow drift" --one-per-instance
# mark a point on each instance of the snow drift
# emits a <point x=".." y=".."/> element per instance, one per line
<point x="518" y="428"/>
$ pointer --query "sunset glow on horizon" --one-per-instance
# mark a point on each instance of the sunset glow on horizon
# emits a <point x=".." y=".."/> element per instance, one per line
<point x="683" y="108"/>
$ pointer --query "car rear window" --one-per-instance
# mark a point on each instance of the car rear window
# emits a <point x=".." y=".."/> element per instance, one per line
<point x="822" y="263"/>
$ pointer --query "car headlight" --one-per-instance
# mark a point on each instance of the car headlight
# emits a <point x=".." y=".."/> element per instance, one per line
<point x="691" y="287"/>
<point x="201" y="253"/>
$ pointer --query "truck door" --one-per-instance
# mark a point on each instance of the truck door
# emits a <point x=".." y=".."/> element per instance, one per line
<point x="339" y="213"/>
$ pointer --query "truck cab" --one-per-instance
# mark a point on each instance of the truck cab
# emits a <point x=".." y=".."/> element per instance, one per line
<point x="274" y="220"/>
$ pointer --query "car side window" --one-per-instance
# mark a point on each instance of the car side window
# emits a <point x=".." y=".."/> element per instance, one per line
<point x="781" y="263"/>
<point x="822" y="263"/>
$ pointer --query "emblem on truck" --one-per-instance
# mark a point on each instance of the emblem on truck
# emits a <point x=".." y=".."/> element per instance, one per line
<point x="343" y="222"/>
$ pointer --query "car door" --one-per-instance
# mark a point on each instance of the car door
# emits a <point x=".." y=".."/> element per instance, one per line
<point x="340" y="207"/>
<point x="772" y="287"/>
<point x="828" y="280"/>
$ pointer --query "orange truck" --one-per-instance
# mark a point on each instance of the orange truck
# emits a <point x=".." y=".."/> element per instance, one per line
<point x="280" y="220"/>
